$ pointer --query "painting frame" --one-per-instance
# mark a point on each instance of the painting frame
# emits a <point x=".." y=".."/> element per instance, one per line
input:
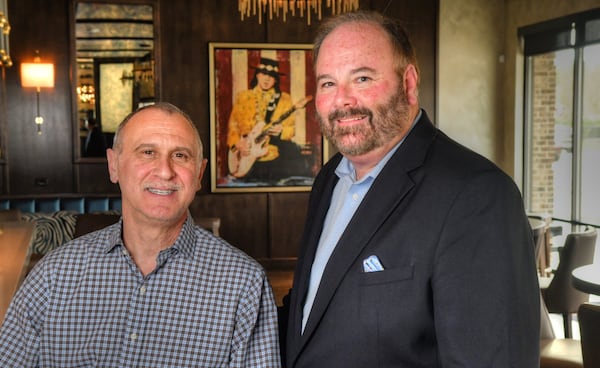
<point x="233" y="72"/>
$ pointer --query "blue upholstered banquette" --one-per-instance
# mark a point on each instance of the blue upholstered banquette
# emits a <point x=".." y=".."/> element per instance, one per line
<point x="75" y="203"/>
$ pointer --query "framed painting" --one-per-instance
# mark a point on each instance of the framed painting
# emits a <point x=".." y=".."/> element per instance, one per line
<point x="264" y="132"/>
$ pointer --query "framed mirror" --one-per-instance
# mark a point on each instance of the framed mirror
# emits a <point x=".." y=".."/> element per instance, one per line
<point x="114" y="68"/>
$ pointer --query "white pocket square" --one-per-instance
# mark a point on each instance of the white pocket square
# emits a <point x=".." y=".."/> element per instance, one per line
<point x="372" y="264"/>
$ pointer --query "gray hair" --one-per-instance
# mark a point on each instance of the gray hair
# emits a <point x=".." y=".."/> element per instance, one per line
<point x="164" y="107"/>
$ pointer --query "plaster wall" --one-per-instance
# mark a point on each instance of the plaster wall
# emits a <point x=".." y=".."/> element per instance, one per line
<point x="469" y="64"/>
<point x="480" y="72"/>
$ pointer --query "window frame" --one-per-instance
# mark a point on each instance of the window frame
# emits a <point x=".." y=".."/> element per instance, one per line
<point x="573" y="31"/>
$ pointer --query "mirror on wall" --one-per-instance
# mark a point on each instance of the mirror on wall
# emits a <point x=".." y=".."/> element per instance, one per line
<point x="114" y="67"/>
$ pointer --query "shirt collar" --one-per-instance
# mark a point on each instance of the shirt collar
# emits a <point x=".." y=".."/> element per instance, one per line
<point x="185" y="242"/>
<point x="114" y="237"/>
<point x="346" y="169"/>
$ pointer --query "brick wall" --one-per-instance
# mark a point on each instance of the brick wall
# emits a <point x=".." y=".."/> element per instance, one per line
<point x="542" y="143"/>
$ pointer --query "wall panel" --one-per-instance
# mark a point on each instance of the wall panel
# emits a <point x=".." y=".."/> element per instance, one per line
<point x="243" y="219"/>
<point x="287" y="212"/>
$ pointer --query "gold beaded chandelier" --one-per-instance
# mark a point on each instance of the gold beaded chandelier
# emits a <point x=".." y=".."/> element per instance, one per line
<point x="281" y="8"/>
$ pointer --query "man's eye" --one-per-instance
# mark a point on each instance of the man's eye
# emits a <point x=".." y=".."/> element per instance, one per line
<point x="327" y="84"/>
<point x="148" y="152"/>
<point x="363" y="79"/>
<point x="181" y="156"/>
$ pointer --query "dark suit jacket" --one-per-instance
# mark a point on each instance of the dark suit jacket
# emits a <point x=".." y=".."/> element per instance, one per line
<point x="459" y="287"/>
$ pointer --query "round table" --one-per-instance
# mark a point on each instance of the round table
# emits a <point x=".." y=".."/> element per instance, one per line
<point x="587" y="279"/>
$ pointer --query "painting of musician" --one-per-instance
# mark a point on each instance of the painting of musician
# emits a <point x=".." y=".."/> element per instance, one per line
<point x="267" y="137"/>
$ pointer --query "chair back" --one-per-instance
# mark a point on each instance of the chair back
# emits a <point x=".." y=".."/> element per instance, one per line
<point x="538" y="228"/>
<point x="589" y="327"/>
<point x="561" y="296"/>
<point x="211" y="224"/>
<point x="557" y="353"/>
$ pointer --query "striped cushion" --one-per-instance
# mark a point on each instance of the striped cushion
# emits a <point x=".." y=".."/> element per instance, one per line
<point x="51" y="230"/>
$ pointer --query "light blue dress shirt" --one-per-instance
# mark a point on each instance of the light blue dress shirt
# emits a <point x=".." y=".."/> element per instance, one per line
<point x="347" y="196"/>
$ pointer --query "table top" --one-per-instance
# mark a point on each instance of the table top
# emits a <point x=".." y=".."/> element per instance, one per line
<point x="15" y="241"/>
<point x="587" y="278"/>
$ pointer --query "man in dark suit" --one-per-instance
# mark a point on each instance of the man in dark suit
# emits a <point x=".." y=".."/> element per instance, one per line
<point x="416" y="251"/>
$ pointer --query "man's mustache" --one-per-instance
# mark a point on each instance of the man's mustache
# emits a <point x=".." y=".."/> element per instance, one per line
<point x="348" y="113"/>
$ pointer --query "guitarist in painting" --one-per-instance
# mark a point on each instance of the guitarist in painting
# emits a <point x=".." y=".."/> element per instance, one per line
<point x="260" y="130"/>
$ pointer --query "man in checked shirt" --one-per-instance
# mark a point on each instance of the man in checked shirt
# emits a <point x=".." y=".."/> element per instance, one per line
<point x="154" y="289"/>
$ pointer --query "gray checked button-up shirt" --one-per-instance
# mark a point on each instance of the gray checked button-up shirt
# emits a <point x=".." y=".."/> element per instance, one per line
<point x="207" y="304"/>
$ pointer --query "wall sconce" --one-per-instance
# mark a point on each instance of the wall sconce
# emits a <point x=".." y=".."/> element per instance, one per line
<point x="37" y="74"/>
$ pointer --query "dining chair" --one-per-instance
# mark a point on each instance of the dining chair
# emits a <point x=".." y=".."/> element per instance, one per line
<point x="557" y="290"/>
<point x="539" y="227"/>
<point x="211" y="224"/>
<point x="541" y="239"/>
<point x="555" y="352"/>
<point x="589" y="328"/>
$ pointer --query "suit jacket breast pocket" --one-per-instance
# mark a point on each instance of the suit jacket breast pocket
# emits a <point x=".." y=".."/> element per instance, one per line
<point x="387" y="276"/>
<point x="385" y="302"/>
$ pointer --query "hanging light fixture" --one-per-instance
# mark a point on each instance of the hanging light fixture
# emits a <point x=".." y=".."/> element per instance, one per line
<point x="37" y="74"/>
<point x="275" y="7"/>
<point x="86" y="93"/>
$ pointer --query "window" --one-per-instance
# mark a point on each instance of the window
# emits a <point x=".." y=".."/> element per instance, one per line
<point x="562" y="119"/>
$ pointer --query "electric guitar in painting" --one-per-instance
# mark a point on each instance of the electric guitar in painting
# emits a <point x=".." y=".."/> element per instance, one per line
<point x="240" y="165"/>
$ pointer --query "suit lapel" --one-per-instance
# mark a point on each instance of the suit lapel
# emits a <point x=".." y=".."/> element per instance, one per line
<point x="312" y="240"/>
<point x="318" y="206"/>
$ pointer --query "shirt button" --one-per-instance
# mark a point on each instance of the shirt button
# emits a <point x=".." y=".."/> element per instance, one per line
<point x="143" y="290"/>
<point x="133" y="336"/>
<point x="355" y="196"/>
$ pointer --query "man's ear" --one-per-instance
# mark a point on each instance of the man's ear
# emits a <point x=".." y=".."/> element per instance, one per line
<point x="112" y="157"/>
<point x="201" y="173"/>
<point x="411" y="84"/>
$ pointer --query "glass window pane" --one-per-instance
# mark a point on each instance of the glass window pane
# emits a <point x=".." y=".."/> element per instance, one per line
<point x="590" y="145"/>
<point x="551" y="146"/>
<point x="563" y="133"/>
<point x="592" y="31"/>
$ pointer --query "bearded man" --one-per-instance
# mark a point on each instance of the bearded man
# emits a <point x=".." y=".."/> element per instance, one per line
<point x="416" y="251"/>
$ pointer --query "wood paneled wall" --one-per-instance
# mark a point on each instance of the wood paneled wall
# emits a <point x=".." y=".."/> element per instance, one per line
<point x="261" y="224"/>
